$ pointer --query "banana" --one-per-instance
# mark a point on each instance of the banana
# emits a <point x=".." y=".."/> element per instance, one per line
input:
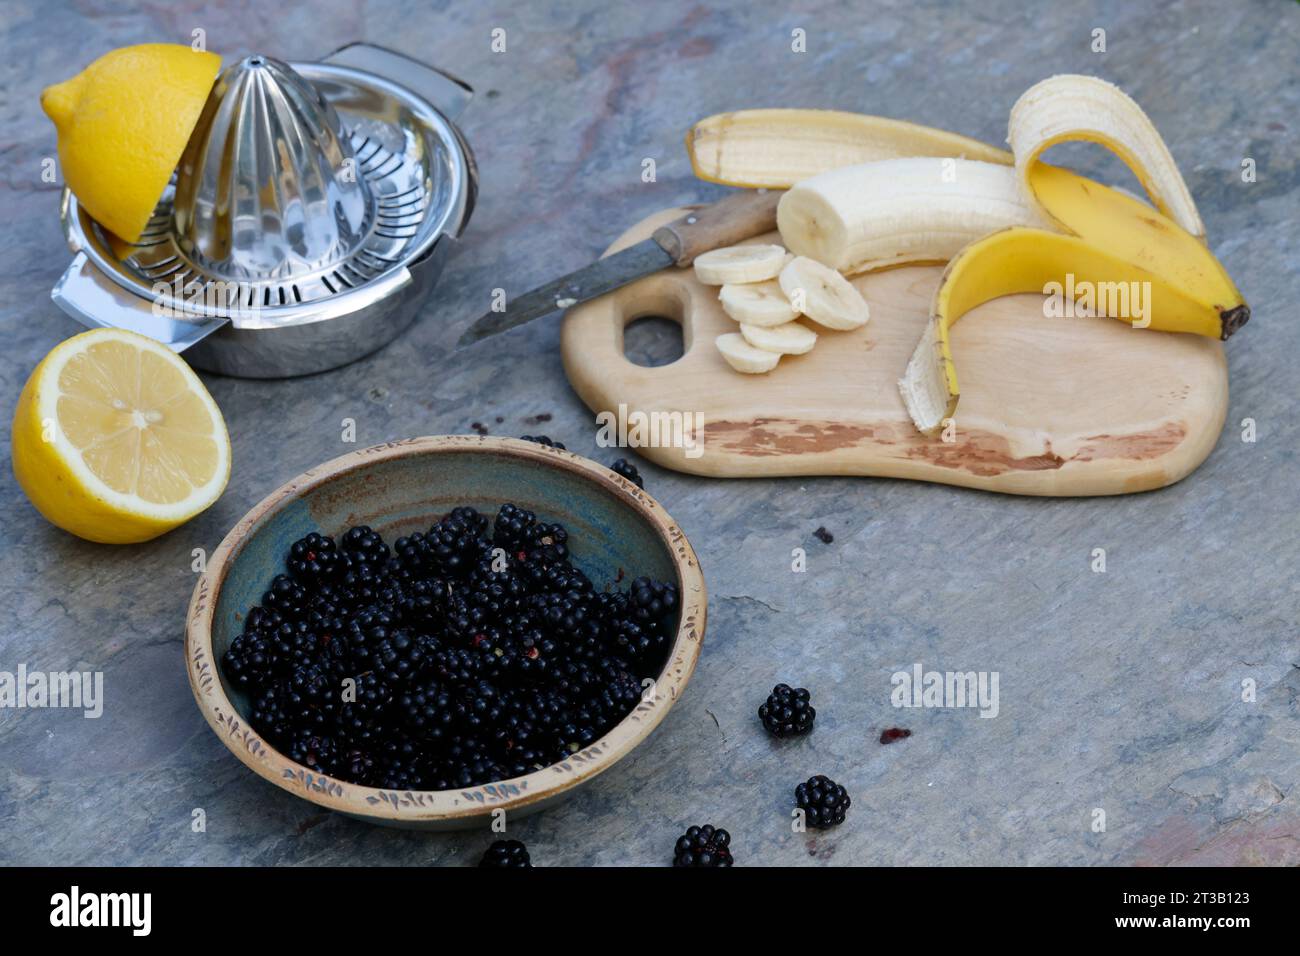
<point x="744" y="357"/>
<point x="1072" y="107"/>
<point x="1111" y="242"/>
<point x="739" y="264"/>
<point x="1032" y="260"/>
<point x="823" y="295"/>
<point x="900" y="211"/>
<point x="788" y="339"/>
<point x="777" y="148"/>
<point x="757" y="303"/>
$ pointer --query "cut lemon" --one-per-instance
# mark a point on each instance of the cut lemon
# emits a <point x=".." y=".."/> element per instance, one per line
<point x="123" y="123"/>
<point x="116" y="440"/>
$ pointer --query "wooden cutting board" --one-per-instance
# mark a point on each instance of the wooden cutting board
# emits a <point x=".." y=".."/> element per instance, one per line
<point x="1077" y="406"/>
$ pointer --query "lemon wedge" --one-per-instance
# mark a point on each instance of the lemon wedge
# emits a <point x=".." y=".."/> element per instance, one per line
<point x="123" y="123"/>
<point x="116" y="440"/>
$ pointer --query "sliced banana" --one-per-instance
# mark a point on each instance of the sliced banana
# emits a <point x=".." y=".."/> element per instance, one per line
<point x="788" y="339"/>
<point x="743" y="357"/>
<point x="757" y="303"/>
<point x="739" y="264"/>
<point x="823" y="295"/>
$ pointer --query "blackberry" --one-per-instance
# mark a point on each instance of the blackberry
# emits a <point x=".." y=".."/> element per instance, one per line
<point x="368" y="632"/>
<point x="513" y="527"/>
<point x="429" y="710"/>
<point x="398" y="658"/>
<point x="823" y="801"/>
<point x="361" y="585"/>
<point x="542" y="440"/>
<point x="703" y="846"/>
<point x="506" y="854"/>
<point x="313" y="750"/>
<point x="456" y="542"/>
<point x="400" y="765"/>
<point x="355" y="764"/>
<point x="787" y="711"/>
<point x="314" y="559"/>
<point x="248" y="661"/>
<point x="270" y="716"/>
<point x="625" y="469"/>
<point x="365" y="545"/>
<point x="653" y="600"/>
<point x="287" y="597"/>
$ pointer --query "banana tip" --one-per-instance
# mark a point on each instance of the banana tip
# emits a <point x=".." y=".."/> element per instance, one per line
<point x="1233" y="319"/>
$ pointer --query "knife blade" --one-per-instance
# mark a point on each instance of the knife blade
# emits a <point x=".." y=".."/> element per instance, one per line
<point x="739" y="216"/>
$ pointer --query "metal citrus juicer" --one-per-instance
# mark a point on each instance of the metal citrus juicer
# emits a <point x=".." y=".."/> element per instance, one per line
<point x="310" y="215"/>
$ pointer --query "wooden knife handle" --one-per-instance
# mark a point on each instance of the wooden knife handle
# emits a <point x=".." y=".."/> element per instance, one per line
<point x="724" y="223"/>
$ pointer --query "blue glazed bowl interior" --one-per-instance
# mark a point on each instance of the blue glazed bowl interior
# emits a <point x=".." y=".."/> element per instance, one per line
<point x="608" y="539"/>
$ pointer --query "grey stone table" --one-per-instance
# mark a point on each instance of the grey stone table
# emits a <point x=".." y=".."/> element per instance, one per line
<point x="1120" y="692"/>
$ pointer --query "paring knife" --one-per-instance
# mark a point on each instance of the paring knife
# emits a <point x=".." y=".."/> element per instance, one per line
<point x="724" y="223"/>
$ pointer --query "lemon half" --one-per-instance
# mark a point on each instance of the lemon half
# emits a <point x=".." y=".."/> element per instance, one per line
<point x="116" y="440"/>
<point x="123" y="123"/>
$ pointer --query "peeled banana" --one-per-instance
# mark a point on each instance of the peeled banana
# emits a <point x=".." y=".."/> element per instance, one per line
<point x="744" y="357"/>
<point x="900" y="211"/>
<point x="739" y="264"/>
<point x="777" y="148"/>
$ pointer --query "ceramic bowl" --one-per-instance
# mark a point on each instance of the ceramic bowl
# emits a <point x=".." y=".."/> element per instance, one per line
<point x="403" y="487"/>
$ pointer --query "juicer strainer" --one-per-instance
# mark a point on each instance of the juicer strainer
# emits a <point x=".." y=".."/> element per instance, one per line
<point x="309" y="217"/>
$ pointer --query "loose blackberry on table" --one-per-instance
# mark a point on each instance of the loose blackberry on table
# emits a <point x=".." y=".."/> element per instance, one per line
<point x="705" y="846"/>
<point x="823" y="801"/>
<point x="506" y="854"/>
<point x="788" y="711"/>
<point x="435" y="665"/>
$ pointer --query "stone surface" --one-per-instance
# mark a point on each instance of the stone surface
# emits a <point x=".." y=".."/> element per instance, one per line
<point x="1119" y="691"/>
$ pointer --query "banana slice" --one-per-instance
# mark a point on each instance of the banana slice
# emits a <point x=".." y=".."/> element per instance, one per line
<point x="743" y="357"/>
<point x="788" y="339"/>
<point x="823" y="295"/>
<point x="757" y="303"/>
<point x="739" y="264"/>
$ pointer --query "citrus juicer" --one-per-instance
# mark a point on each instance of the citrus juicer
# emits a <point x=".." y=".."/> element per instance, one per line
<point x="308" y="219"/>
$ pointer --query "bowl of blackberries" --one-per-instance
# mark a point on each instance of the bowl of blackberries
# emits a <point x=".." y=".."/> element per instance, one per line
<point x="428" y="632"/>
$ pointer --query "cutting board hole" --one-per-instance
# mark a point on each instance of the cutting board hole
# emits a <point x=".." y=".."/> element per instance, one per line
<point x="653" y="340"/>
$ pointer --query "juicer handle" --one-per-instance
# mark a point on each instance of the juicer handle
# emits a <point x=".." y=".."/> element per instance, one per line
<point x="448" y="94"/>
<point x="96" y="301"/>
